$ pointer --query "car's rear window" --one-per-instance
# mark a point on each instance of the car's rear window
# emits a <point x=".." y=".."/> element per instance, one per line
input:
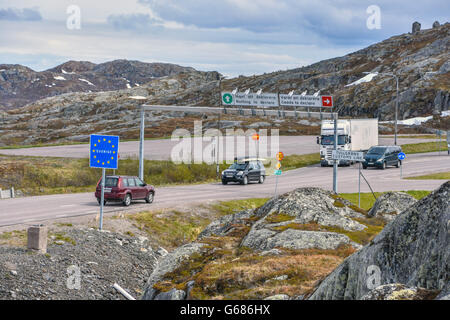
<point x="111" y="182"/>
<point x="376" y="150"/>
<point x="131" y="183"/>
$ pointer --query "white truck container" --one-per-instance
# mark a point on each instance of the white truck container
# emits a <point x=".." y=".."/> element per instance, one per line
<point x="353" y="135"/>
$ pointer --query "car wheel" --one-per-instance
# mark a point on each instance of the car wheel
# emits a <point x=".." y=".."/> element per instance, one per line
<point x="397" y="165"/>
<point x="100" y="201"/>
<point x="261" y="179"/>
<point x="364" y="167"/>
<point x="384" y="166"/>
<point x="149" y="198"/>
<point x="127" y="200"/>
<point x="224" y="182"/>
<point x="244" y="180"/>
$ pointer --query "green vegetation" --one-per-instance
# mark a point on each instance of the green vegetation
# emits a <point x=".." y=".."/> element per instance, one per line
<point x="424" y="147"/>
<point x="367" y="199"/>
<point x="42" y="175"/>
<point x="299" y="161"/>
<point x="434" y="176"/>
<point x="418" y="136"/>
<point x="174" y="228"/>
<point x="234" y="206"/>
<point x="58" y="236"/>
<point x="277" y="218"/>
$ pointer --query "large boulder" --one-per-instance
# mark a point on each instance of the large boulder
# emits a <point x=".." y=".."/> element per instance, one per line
<point x="412" y="250"/>
<point x="391" y="204"/>
<point x="301" y="219"/>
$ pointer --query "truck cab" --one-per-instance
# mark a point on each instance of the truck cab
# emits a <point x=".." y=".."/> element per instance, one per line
<point x="353" y="135"/>
<point x="326" y="141"/>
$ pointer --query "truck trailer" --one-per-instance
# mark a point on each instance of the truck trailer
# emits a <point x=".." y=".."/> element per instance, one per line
<point x="353" y="135"/>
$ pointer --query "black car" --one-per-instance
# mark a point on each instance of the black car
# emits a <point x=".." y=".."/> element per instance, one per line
<point x="245" y="171"/>
<point x="382" y="156"/>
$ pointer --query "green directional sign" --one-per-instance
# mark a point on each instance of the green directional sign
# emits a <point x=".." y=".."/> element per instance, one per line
<point x="278" y="172"/>
<point x="227" y="98"/>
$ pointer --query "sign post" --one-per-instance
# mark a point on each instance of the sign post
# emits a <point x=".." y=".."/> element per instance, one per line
<point x="356" y="156"/>
<point x="280" y="157"/>
<point x="104" y="151"/>
<point x="448" y="142"/>
<point x="401" y="156"/>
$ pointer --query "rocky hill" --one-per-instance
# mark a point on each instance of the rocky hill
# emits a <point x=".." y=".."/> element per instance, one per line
<point x="421" y="61"/>
<point x="411" y="254"/>
<point x="278" y="250"/>
<point x="20" y="85"/>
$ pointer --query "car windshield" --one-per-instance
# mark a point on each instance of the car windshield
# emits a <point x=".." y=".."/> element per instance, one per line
<point x="238" y="166"/>
<point x="329" y="140"/>
<point x="111" y="182"/>
<point x="376" y="150"/>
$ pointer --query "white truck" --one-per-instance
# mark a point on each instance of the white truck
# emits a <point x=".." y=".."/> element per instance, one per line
<point x="353" y="135"/>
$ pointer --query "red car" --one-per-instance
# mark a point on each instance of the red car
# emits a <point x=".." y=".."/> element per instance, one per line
<point x="125" y="189"/>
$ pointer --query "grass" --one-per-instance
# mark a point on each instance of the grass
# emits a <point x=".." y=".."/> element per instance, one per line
<point x="419" y="136"/>
<point x="424" y="147"/>
<point x="299" y="161"/>
<point x="174" y="228"/>
<point x="367" y="199"/>
<point x="434" y="176"/>
<point x="41" y="175"/>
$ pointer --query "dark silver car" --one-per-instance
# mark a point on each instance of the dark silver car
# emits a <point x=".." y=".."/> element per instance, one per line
<point x="244" y="171"/>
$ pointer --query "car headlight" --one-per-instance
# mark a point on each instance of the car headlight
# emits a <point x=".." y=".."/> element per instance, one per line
<point x="223" y="172"/>
<point x="240" y="173"/>
<point x="379" y="160"/>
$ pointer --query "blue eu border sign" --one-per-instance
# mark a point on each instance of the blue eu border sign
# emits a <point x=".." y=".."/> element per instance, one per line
<point x="104" y="152"/>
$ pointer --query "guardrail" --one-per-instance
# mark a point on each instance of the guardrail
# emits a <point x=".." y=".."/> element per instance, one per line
<point x="241" y="111"/>
<point x="8" y="193"/>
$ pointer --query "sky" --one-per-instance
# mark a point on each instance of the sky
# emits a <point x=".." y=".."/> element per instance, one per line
<point x="234" y="37"/>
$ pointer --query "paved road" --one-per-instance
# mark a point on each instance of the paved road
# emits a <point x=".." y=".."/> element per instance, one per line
<point x="161" y="149"/>
<point x="31" y="209"/>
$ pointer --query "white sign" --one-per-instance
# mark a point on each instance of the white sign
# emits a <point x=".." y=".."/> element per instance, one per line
<point x="306" y="101"/>
<point x="348" y="155"/>
<point x="251" y="99"/>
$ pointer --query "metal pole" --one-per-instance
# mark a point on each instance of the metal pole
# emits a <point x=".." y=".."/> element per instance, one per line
<point x="102" y="198"/>
<point x="396" y="111"/>
<point x="335" y="163"/>
<point x="359" y="184"/>
<point x="141" y="146"/>
<point x="218" y="128"/>
<point x="276" y="186"/>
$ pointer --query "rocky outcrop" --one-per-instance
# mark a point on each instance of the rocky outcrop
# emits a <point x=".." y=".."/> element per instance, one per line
<point x="391" y="204"/>
<point x="398" y="291"/>
<point x="299" y="220"/>
<point x="413" y="250"/>
<point x="166" y="264"/>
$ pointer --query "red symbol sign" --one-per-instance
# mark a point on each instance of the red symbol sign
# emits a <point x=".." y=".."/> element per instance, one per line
<point x="280" y="156"/>
<point x="327" y="101"/>
<point x="255" y="137"/>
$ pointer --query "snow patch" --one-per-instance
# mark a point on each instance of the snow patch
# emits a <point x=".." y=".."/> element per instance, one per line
<point x="65" y="72"/>
<point x="366" y="78"/>
<point x="417" y="120"/>
<point x="128" y="86"/>
<point x="59" y="78"/>
<point x="87" y="81"/>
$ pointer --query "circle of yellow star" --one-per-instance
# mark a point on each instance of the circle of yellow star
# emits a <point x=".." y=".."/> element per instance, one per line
<point x="104" y="139"/>
<point x="109" y="141"/>
<point x="114" y="152"/>
<point x="98" y="161"/>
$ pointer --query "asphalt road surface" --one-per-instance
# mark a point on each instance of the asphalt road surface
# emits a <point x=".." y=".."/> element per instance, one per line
<point x="161" y="149"/>
<point x="29" y="210"/>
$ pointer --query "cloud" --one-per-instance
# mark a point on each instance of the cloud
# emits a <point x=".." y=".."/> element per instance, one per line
<point x="130" y="21"/>
<point x="340" y="22"/>
<point x="25" y="14"/>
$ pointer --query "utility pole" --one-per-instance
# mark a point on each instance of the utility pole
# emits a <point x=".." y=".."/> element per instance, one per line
<point x="336" y="162"/>
<point x="141" y="145"/>
<point x="396" y="110"/>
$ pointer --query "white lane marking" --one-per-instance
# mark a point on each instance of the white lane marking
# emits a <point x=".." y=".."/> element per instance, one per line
<point x="67" y="205"/>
